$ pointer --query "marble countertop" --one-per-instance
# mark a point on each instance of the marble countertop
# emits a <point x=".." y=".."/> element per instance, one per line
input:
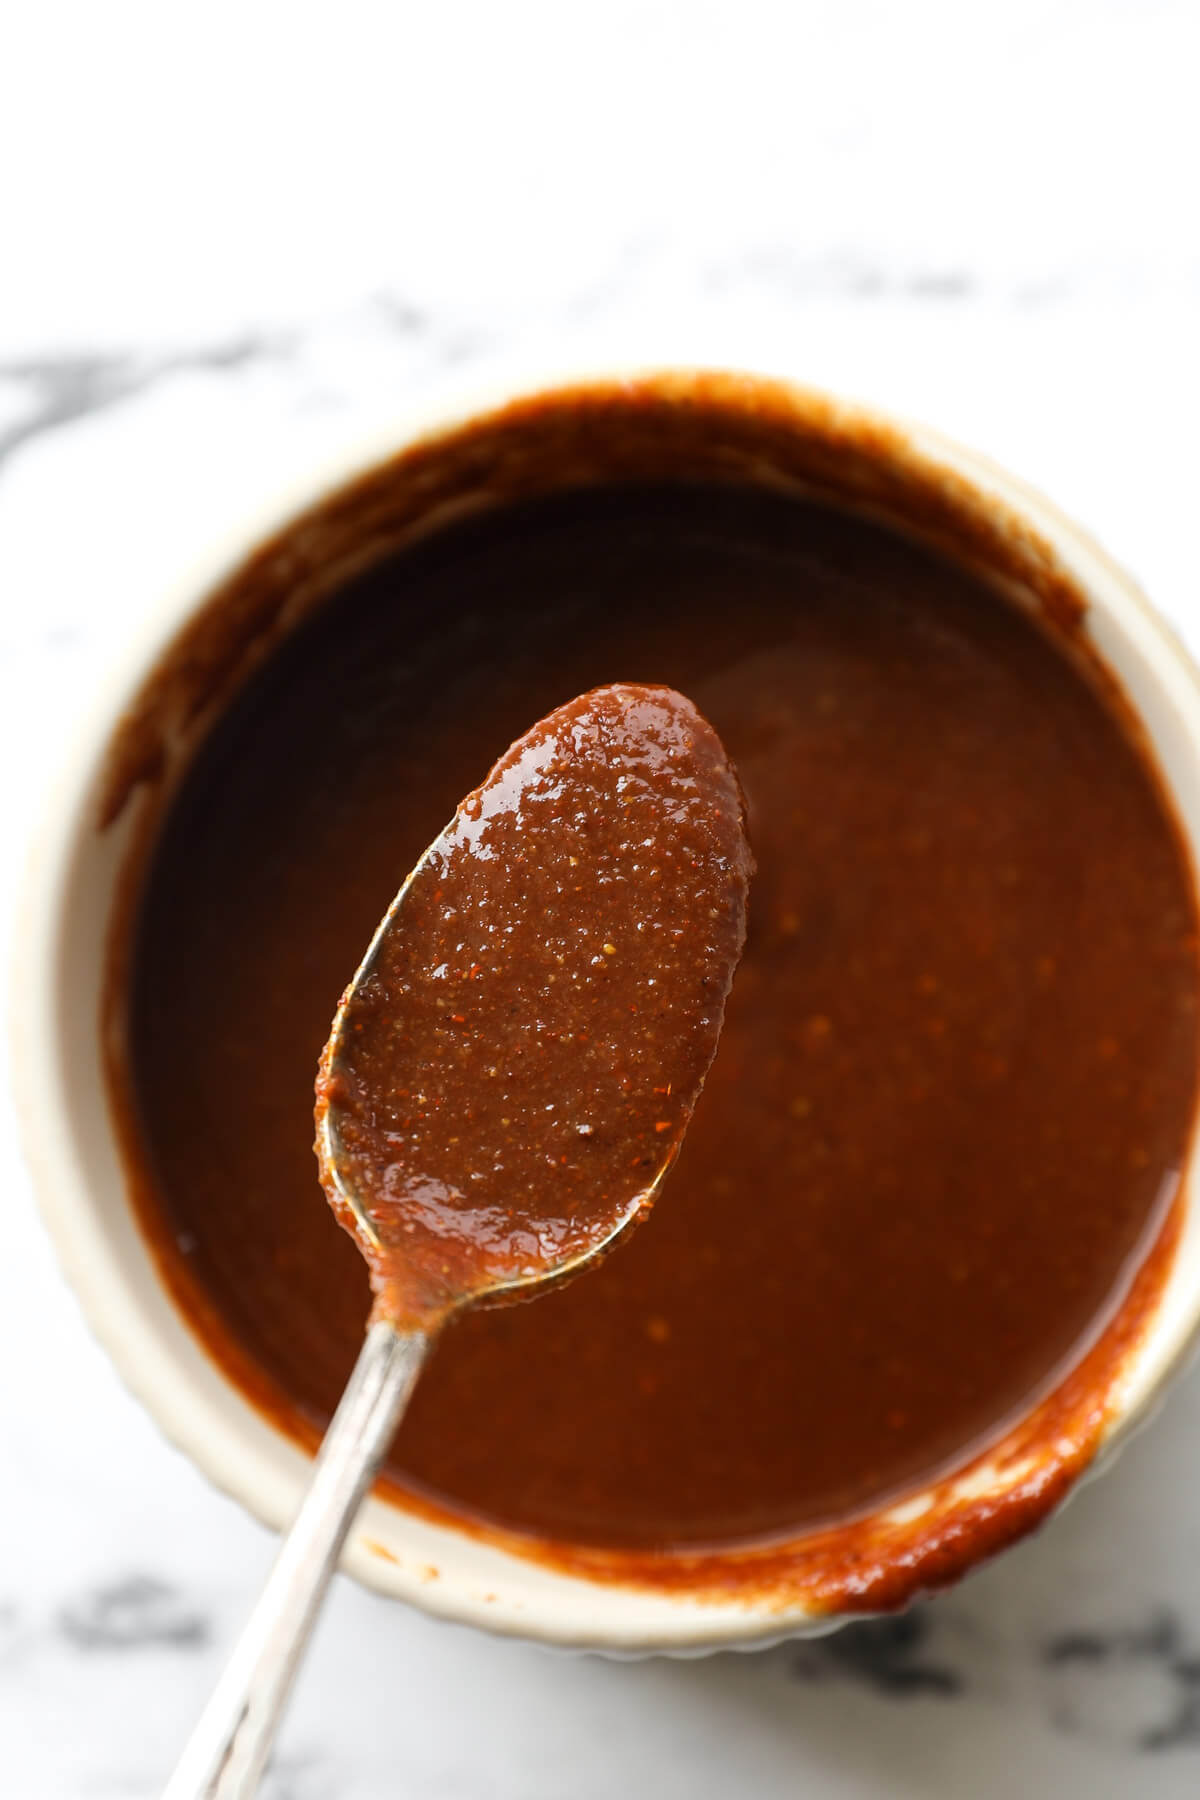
<point x="233" y="235"/>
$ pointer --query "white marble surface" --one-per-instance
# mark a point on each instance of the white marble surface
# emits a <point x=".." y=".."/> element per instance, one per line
<point x="230" y="231"/>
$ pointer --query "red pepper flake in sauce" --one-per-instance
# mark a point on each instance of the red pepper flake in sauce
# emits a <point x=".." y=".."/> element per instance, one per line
<point x="523" y="1164"/>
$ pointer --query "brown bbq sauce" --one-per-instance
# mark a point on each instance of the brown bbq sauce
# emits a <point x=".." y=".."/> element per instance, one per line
<point x="956" y="1077"/>
<point x="522" y="1051"/>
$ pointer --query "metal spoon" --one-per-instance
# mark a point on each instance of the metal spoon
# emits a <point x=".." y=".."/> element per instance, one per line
<point x="638" y="738"/>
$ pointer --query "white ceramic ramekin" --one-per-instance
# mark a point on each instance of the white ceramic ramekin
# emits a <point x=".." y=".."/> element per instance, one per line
<point x="891" y="468"/>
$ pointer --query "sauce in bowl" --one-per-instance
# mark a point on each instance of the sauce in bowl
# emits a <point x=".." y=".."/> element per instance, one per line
<point x="948" y="1113"/>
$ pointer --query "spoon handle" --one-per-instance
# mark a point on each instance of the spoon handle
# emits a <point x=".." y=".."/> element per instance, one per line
<point x="228" y="1750"/>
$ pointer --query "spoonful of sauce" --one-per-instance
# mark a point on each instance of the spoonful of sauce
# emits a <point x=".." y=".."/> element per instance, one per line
<point x="508" y="1078"/>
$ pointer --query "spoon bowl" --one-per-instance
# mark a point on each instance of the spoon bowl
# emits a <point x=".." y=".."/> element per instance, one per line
<point x="511" y="1072"/>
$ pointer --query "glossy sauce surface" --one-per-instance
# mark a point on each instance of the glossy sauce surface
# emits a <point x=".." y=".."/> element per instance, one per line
<point x="958" y="1065"/>
<point x="516" y="1064"/>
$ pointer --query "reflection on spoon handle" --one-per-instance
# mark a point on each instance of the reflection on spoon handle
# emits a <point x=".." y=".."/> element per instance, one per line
<point x="228" y="1750"/>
